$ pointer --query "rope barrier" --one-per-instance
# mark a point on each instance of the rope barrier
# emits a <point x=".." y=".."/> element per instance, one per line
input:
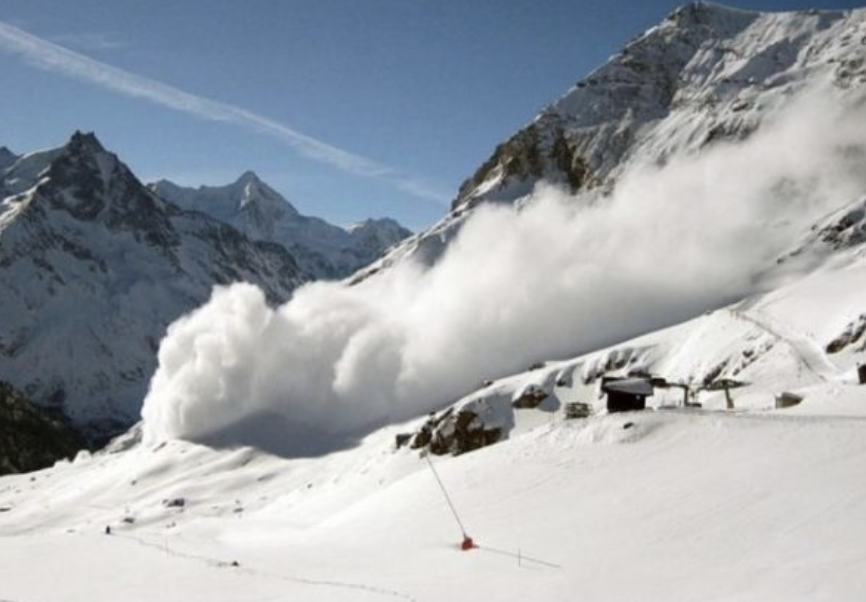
<point x="468" y="543"/>
<point x="520" y="556"/>
<point x="447" y="497"/>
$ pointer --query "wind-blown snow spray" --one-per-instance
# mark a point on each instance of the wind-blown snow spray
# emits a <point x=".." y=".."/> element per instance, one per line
<point x="554" y="276"/>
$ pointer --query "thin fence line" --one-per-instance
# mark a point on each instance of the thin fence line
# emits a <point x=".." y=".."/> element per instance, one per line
<point x="445" y="493"/>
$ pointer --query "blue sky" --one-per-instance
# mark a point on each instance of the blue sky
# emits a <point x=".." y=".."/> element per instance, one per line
<point x="350" y="108"/>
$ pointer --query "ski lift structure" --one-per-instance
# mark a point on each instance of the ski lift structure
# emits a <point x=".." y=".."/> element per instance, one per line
<point x="629" y="393"/>
<point x="725" y="384"/>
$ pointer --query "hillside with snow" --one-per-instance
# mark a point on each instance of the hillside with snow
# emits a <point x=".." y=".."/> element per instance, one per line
<point x="690" y="217"/>
<point x="690" y="504"/>
<point x="94" y="266"/>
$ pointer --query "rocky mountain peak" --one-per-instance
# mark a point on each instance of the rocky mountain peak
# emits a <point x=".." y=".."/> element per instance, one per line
<point x="701" y="71"/>
<point x="89" y="183"/>
<point x="248" y="195"/>
<point x="84" y="237"/>
<point x="85" y="163"/>
<point x="384" y="228"/>
<point x="248" y="177"/>
<point x="252" y="194"/>
<point x="710" y="15"/>
<point x="84" y="142"/>
<point x="7" y="158"/>
<point x="706" y="74"/>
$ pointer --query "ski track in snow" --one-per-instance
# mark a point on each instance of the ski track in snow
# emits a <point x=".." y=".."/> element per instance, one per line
<point x="807" y="351"/>
<point x="217" y="563"/>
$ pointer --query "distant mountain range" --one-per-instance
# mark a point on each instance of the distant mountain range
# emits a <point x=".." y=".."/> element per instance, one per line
<point x="94" y="266"/>
<point x="322" y="250"/>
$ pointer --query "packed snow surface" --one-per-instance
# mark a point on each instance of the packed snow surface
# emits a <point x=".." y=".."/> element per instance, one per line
<point x="665" y="505"/>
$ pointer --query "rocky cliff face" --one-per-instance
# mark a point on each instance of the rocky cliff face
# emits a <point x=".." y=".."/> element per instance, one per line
<point x="31" y="438"/>
<point x="322" y="250"/>
<point x="706" y="74"/>
<point x="93" y="268"/>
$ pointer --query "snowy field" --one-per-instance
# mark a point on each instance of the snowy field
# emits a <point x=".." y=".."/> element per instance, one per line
<point x="683" y="505"/>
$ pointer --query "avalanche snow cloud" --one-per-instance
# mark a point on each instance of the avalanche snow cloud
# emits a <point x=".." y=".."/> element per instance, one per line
<point x="552" y="276"/>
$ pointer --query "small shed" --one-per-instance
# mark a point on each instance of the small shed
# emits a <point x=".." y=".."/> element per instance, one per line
<point x="626" y="394"/>
<point x="787" y="399"/>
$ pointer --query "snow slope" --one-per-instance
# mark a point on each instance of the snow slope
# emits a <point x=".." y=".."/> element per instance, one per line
<point x="680" y="506"/>
<point x="691" y="504"/>
<point x="322" y="249"/>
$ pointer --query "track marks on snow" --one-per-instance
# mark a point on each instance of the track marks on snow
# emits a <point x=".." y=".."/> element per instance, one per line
<point x="253" y="572"/>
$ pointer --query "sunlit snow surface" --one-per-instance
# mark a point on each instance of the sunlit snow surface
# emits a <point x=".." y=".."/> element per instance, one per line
<point x="754" y="504"/>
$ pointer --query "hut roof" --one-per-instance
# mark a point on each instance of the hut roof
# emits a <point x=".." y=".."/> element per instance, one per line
<point x="632" y="386"/>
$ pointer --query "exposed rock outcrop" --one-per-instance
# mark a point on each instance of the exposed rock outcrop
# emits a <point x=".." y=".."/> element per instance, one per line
<point x="31" y="438"/>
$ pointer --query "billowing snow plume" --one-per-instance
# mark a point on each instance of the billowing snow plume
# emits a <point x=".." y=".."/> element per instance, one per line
<point x="555" y="276"/>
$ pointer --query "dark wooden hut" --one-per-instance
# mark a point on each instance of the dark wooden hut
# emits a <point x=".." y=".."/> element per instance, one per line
<point x="626" y="394"/>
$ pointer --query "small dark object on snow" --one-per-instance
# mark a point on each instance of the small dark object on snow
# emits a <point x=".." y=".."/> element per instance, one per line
<point x="402" y="439"/>
<point x="486" y="383"/>
<point x="235" y="563"/>
<point x="107" y="530"/>
<point x="463" y="432"/>
<point x="627" y="426"/>
<point x="530" y="398"/>
<point x="577" y="410"/>
<point x="467" y="543"/>
<point x="177" y="502"/>
<point x="861" y="374"/>
<point x="787" y="400"/>
<point x="725" y="384"/>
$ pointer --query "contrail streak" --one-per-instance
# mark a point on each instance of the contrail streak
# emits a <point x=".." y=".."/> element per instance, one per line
<point x="54" y="58"/>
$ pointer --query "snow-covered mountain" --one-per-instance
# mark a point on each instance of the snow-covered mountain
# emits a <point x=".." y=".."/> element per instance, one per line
<point x="322" y="249"/>
<point x="727" y="501"/>
<point x="706" y="74"/>
<point x="711" y="503"/>
<point x="93" y="268"/>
